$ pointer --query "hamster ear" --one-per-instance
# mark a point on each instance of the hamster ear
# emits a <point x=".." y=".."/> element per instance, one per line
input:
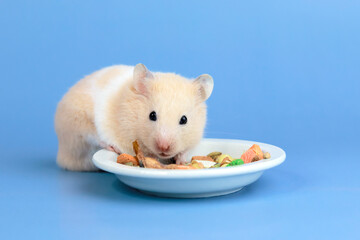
<point x="141" y="78"/>
<point x="205" y="83"/>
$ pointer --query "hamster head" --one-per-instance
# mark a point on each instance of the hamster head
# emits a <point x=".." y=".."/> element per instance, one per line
<point x="171" y="111"/>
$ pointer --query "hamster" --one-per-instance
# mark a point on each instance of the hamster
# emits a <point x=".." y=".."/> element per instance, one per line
<point x="116" y="105"/>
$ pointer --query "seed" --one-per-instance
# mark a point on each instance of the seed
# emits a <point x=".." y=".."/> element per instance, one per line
<point x="214" y="155"/>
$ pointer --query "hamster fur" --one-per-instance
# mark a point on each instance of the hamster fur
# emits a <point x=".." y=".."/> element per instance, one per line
<point x="111" y="107"/>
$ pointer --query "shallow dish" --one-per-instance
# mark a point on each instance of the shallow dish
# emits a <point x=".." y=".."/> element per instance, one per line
<point x="194" y="183"/>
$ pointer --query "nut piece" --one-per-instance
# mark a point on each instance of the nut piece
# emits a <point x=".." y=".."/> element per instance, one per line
<point x="127" y="158"/>
<point x="202" y="158"/>
<point x="214" y="155"/>
<point x="152" y="163"/>
<point x="267" y="155"/>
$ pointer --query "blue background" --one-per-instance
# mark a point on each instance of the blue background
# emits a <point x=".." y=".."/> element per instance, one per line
<point x="286" y="73"/>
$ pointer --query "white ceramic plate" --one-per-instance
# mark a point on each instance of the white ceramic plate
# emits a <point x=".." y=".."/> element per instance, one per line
<point x="194" y="183"/>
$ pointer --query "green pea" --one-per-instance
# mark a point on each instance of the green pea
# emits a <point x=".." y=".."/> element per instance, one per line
<point x="235" y="162"/>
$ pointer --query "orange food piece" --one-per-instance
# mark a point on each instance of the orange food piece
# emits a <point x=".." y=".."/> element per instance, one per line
<point x="181" y="167"/>
<point x="139" y="154"/>
<point x="248" y="156"/>
<point x="258" y="151"/>
<point x="253" y="154"/>
<point x="203" y="158"/>
<point x="148" y="162"/>
<point x="127" y="158"/>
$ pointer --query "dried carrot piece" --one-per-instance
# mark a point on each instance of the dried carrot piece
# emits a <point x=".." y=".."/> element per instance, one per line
<point x="127" y="158"/>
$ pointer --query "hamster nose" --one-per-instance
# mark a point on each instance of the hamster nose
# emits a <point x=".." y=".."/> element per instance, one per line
<point x="162" y="145"/>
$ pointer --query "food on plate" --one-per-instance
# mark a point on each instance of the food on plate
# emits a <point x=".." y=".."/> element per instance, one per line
<point x="214" y="155"/>
<point x="236" y="162"/>
<point x="212" y="160"/>
<point x="127" y="159"/>
<point x="148" y="162"/>
<point x="177" y="166"/>
<point x="253" y="154"/>
<point x="224" y="158"/>
<point x="197" y="164"/>
<point x="203" y="158"/>
<point x="267" y="155"/>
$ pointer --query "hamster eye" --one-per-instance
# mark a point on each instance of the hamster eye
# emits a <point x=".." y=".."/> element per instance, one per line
<point x="183" y="120"/>
<point x="152" y="116"/>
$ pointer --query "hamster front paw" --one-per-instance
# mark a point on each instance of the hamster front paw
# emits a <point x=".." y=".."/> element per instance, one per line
<point x="114" y="149"/>
<point x="180" y="158"/>
<point x="110" y="148"/>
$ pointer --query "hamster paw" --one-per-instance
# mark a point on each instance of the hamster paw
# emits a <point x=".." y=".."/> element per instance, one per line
<point x="180" y="159"/>
<point x="110" y="148"/>
<point x="114" y="149"/>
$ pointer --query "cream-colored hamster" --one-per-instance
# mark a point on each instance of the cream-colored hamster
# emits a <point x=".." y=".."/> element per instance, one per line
<point x="114" y="106"/>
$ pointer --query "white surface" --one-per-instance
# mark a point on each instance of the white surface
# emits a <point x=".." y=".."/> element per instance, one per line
<point x="206" y="164"/>
<point x="199" y="182"/>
